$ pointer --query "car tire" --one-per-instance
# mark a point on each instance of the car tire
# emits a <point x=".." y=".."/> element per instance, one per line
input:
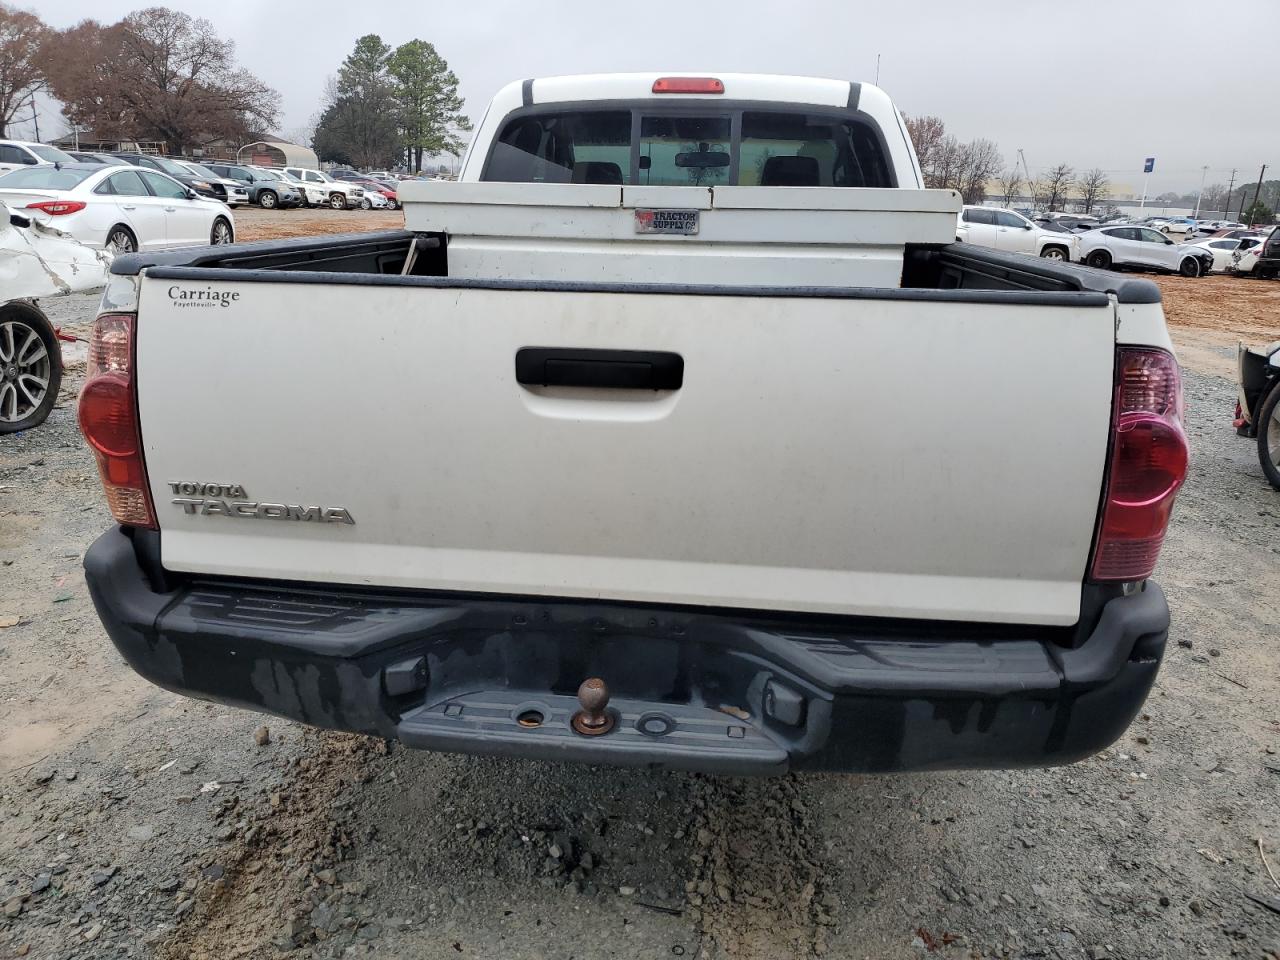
<point x="1268" y="428"/>
<point x="1099" y="260"/>
<point x="120" y="239"/>
<point x="18" y="321"/>
<point x="268" y="200"/>
<point x="1055" y="253"/>
<point x="366" y="205"/>
<point x="1189" y="267"/>
<point x="221" y="233"/>
<point x="337" y="201"/>
<point x="393" y="204"/>
<point x="1164" y="230"/>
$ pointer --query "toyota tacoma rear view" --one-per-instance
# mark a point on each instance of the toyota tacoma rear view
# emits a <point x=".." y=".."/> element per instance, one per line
<point x="679" y="431"/>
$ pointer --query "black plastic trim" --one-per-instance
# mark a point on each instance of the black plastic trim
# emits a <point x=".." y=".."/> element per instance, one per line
<point x="855" y="94"/>
<point x="1060" y="298"/>
<point x="131" y="264"/>
<point x="526" y="93"/>
<point x="1035" y="271"/>
<point x="872" y="694"/>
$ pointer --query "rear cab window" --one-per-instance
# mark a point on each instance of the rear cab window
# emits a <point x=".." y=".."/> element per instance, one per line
<point x="45" y="177"/>
<point x="702" y="144"/>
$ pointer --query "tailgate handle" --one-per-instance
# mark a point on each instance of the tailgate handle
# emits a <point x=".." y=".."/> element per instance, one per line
<point x="616" y="369"/>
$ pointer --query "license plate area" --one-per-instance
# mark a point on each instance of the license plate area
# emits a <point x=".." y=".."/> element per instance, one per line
<point x="680" y="222"/>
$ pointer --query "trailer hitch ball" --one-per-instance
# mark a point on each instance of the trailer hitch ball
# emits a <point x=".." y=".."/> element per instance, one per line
<point x="594" y="718"/>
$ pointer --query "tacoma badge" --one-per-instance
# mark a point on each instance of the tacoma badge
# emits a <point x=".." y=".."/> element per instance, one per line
<point x="230" y="500"/>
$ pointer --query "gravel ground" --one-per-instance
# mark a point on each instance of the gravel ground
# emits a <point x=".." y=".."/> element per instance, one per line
<point x="134" y="823"/>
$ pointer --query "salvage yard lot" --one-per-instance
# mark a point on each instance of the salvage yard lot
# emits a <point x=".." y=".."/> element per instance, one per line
<point x="136" y="823"/>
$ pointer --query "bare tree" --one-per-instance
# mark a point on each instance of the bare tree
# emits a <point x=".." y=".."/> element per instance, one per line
<point x="1010" y="184"/>
<point x="1093" y="187"/>
<point x="1057" y="185"/>
<point x="158" y="74"/>
<point x="21" y="67"/>
<point x="979" y="162"/>
<point x="1214" y="198"/>
<point x="927" y="135"/>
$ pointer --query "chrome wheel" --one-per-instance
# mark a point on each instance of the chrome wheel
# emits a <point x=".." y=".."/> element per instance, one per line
<point x="120" y="241"/>
<point x="337" y="201"/>
<point x="26" y="369"/>
<point x="365" y="204"/>
<point x="266" y="200"/>
<point x="1273" y="436"/>
<point x="221" y="233"/>
<point x="1053" y="253"/>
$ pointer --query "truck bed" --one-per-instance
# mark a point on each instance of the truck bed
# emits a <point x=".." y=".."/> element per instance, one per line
<point x="865" y="451"/>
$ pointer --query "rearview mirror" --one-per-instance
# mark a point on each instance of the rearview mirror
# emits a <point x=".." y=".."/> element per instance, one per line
<point x="192" y="195"/>
<point x="1026" y="226"/>
<point x="702" y="160"/>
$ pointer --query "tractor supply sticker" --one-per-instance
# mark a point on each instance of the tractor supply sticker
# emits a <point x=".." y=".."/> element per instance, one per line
<point x="667" y="221"/>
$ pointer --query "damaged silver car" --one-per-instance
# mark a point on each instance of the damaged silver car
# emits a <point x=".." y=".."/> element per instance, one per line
<point x="36" y="261"/>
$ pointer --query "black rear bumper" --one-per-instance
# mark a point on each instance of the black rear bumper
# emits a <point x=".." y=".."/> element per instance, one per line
<point x="713" y="691"/>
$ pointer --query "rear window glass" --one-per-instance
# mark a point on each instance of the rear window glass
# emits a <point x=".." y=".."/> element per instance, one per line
<point x="201" y="171"/>
<point x="52" y="154"/>
<point x="44" y="177"/>
<point x="810" y="150"/>
<point x="688" y="147"/>
<point x="571" y="147"/>
<point x="684" y="151"/>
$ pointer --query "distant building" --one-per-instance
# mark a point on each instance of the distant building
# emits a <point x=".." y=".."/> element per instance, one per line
<point x="278" y="153"/>
<point x="268" y="152"/>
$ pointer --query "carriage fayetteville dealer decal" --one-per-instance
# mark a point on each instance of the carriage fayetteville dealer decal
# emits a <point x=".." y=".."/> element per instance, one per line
<point x="208" y="297"/>
<point x="230" y="500"/>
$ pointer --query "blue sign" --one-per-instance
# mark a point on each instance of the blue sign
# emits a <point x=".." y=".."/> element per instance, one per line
<point x="1149" y="165"/>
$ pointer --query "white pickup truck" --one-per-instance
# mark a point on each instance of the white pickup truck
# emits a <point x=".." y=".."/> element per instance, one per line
<point x="683" y="400"/>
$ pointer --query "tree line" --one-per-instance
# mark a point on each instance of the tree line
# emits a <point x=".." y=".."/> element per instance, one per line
<point x="158" y="74"/>
<point x="972" y="168"/>
<point x="390" y="106"/>
<point x="162" y="75"/>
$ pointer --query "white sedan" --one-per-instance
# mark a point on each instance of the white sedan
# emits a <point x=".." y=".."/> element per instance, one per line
<point x="123" y="209"/>
<point x="1144" y="248"/>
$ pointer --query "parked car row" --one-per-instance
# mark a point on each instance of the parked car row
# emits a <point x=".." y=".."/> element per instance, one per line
<point x="1215" y="246"/>
<point x="234" y="184"/>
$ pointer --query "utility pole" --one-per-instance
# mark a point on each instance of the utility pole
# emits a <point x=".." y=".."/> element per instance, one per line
<point x="1256" y="192"/>
<point x="35" y="118"/>
<point x="1031" y="190"/>
<point x="1203" y="171"/>
<point x="1226" y="204"/>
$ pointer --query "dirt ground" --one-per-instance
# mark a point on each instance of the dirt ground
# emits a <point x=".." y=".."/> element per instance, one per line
<point x="253" y="223"/>
<point x="136" y="823"/>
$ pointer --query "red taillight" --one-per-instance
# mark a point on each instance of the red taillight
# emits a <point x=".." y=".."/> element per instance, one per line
<point x="57" y="208"/>
<point x="1148" y="464"/>
<point x="109" y="420"/>
<point x="688" y="85"/>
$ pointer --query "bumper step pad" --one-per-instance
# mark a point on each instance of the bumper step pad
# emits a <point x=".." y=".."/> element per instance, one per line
<point x="689" y="737"/>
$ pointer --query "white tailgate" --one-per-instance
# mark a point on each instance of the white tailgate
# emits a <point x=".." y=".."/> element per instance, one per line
<point x="892" y="457"/>
<point x="747" y="236"/>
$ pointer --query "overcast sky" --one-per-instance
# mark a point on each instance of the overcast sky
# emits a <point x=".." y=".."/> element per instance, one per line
<point x="1089" y="84"/>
